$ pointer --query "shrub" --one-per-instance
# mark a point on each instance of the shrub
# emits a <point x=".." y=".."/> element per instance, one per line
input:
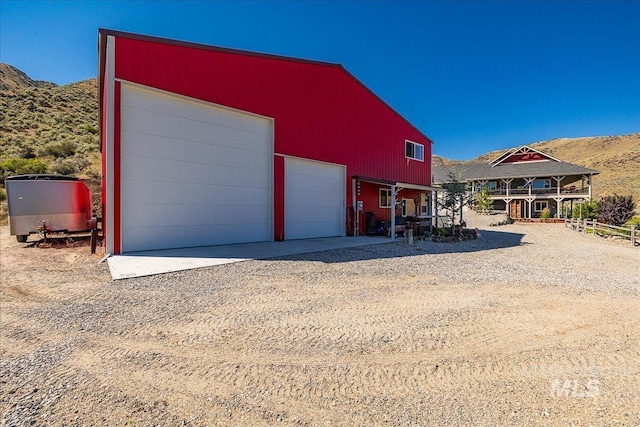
<point x="62" y="149"/>
<point x="635" y="221"/>
<point x="586" y="210"/>
<point x="21" y="167"/>
<point x="483" y="202"/>
<point x="3" y="195"/>
<point x="81" y="162"/>
<point x="64" y="167"/>
<point x="616" y="210"/>
<point x="90" y="128"/>
<point x="443" y="231"/>
<point x="545" y="214"/>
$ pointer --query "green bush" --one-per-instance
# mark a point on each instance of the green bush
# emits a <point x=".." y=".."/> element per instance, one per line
<point x="586" y="210"/>
<point x="635" y="221"/>
<point x="443" y="231"/>
<point x="484" y="202"/>
<point x="90" y="128"/>
<point x="3" y="195"/>
<point x="545" y="214"/>
<point x="21" y="167"/>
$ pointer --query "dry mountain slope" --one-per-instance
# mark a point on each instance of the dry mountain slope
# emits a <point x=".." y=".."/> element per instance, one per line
<point x="12" y="80"/>
<point x="40" y="119"/>
<point x="50" y="125"/>
<point x="616" y="157"/>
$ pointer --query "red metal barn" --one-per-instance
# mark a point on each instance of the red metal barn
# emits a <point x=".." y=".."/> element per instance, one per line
<point x="203" y="145"/>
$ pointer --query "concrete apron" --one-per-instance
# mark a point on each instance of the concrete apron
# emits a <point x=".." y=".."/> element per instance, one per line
<point x="147" y="263"/>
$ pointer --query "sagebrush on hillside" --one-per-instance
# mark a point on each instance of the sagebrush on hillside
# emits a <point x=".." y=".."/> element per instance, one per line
<point x="46" y="128"/>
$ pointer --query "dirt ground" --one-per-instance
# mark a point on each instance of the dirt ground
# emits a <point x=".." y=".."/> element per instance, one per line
<point x="544" y="330"/>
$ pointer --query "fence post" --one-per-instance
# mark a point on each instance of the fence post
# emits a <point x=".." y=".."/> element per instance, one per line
<point x="633" y="236"/>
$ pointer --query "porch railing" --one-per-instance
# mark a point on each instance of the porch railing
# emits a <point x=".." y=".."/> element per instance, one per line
<point x="520" y="191"/>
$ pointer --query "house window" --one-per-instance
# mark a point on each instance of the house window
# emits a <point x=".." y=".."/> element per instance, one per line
<point x="491" y="186"/>
<point x="413" y="150"/>
<point x="385" y="198"/>
<point x="542" y="183"/>
<point x="539" y="205"/>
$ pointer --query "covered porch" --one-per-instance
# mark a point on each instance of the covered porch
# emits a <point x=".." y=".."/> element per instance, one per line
<point x="527" y="198"/>
<point x="394" y="202"/>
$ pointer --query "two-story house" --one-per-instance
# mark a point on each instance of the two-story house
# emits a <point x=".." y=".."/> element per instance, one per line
<point x="524" y="181"/>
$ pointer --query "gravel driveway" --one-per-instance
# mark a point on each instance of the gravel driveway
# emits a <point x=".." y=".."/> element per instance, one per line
<point x="532" y="324"/>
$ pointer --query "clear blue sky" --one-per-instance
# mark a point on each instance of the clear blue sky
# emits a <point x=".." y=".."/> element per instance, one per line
<point x="473" y="75"/>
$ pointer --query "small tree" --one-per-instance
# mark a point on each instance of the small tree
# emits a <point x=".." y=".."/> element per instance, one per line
<point x="18" y="166"/>
<point x="616" y="210"/>
<point x="455" y="197"/>
<point x="484" y="203"/>
<point x="586" y="210"/>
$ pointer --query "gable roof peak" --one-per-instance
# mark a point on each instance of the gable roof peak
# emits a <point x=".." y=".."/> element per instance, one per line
<point x="522" y="150"/>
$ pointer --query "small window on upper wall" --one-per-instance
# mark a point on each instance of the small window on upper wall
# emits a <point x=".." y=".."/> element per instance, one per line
<point x="413" y="150"/>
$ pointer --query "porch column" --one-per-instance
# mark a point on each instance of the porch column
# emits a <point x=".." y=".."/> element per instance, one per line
<point x="529" y="184"/>
<point x="507" y="202"/>
<point x="558" y="198"/>
<point x="508" y="185"/>
<point x="432" y="206"/>
<point x="393" y="213"/>
<point x="529" y="201"/>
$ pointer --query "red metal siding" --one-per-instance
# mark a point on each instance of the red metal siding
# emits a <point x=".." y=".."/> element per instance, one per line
<point x="321" y="112"/>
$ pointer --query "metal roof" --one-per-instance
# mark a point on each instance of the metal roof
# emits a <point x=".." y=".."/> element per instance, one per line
<point x="484" y="171"/>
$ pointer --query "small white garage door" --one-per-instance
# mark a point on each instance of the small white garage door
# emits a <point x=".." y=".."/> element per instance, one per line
<point x="314" y="199"/>
<point x="192" y="174"/>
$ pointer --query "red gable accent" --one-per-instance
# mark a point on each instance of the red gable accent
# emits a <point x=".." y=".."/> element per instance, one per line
<point x="524" y="157"/>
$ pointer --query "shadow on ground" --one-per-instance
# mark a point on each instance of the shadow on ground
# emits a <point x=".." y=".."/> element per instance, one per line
<point x="489" y="240"/>
<point x="327" y="250"/>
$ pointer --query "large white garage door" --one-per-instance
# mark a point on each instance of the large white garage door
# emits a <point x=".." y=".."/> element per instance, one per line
<point x="314" y="199"/>
<point x="192" y="174"/>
